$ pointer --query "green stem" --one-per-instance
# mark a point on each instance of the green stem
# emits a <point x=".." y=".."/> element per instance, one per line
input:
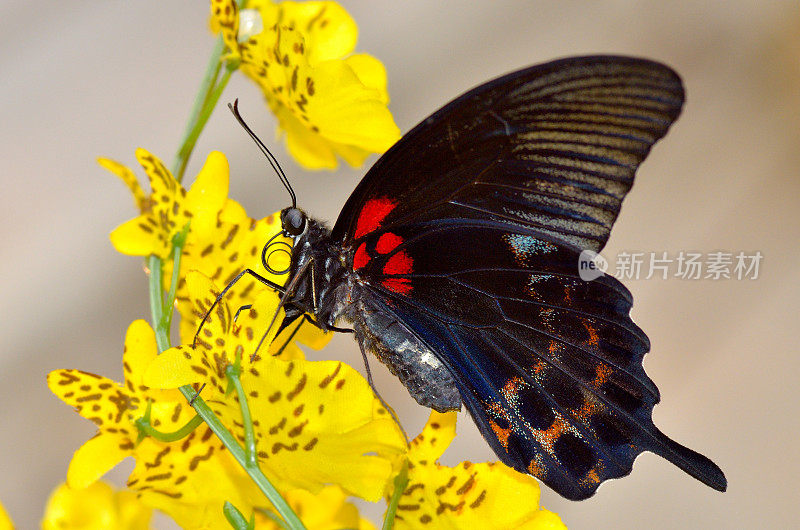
<point x="232" y="371"/>
<point x="157" y="301"/>
<point x="205" y="99"/>
<point x="145" y="427"/>
<point x="200" y="101"/>
<point x="207" y="108"/>
<point x="178" y="241"/>
<point x="400" y="483"/>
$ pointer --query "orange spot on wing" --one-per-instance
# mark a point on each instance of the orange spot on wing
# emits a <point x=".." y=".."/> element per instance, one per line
<point x="536" y="469"/>
<point x="502" y="434"/>
<point x="591" y="477"/>
<point x="602" y="371"/>
<point x="549" y="436"/>
<point x="510" y="389"/>
<point x="594" y="339"/>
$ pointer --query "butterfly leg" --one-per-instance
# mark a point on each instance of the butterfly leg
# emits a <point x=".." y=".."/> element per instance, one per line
<point x="314" y="299"/>
<point x="246" y="306"/>
<point x="304" y="318"/>
<point x="378" y="394"/>
<point x="196" y="395"/>
<point x="227" y="288"/>
<point x="289" y="290"/>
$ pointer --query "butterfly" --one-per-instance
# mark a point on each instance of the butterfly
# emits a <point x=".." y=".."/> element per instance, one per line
<point x="455" y="263"/>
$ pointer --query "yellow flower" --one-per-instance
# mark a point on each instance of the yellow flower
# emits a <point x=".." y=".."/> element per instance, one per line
<point x="97" y="507"/>
<point x="467" y="495"/>
<point x="190" y="479"/>
<point x="169" y="207"/>
<point x="327" y="510"/>
<point x="5" y="520"/>
<point x="327" y="101"/>
<point x="315" y="423"/>
<point x="115" y="407"/>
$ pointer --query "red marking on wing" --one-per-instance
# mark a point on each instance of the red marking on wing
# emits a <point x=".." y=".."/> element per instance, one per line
<point x="361" y="258"/>
<point x="398" y="285"/>
<point x="400" y="263"/>
<point x="372" y="215"/>
<point x="388" y="242"/>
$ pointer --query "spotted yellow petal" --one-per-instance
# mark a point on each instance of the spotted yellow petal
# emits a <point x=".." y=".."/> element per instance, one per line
<point x="371" y="73"/>
<point x="319" y="417"/>
<point x="96" y="457"/>
<point x="169" y="208"/>
<point x="358" y="117"/>
<point x="467" y="495"/>
<point x="161" y="179"/>
<point x="140" y="350"/>
<point x="168" y="408"/>
<point x="140" y="237"/>
<point x="435" y="437"/>
<point x="97" y="507"/>
<point x="225" y="19"/>
<point x="327" y="510"/>
<point x="129" y="178"/>
<point x="171" y="369"/>
<point x="209" y="192"/>
<point x="309" y="148"/>
<point x="328" y="102"/>
<point x="331" y="31"/>
<point x="191" y="479"/>
<point x="96" y="398"/>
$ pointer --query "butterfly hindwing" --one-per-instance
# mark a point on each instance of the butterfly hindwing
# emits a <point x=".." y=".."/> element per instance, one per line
<point x="538" y="354"/>
<point x="549" y="365"/>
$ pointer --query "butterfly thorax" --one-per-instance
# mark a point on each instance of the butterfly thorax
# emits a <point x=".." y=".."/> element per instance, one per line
<point x="321" y="266"/>
<point x="339" y="297"/>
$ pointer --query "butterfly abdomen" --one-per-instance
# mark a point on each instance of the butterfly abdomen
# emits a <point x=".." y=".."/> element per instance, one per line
<point x="379" y="332"/>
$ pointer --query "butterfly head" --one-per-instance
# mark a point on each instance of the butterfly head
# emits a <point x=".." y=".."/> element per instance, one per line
<point x="293" y="221"/>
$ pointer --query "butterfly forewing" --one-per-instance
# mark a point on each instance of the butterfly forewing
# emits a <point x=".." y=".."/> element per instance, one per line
<point x="552" y="147"/>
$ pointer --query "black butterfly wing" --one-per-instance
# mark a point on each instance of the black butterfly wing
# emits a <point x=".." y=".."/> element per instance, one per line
<point x="468" y="231"/>
<point x="552" y="148"/>
<point x="549" y="365"/>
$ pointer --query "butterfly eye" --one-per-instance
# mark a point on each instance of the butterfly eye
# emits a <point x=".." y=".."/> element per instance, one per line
<point x="293" y="221"/>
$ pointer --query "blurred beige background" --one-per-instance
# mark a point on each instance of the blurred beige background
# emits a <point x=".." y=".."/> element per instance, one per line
<point x="83" y="79"/>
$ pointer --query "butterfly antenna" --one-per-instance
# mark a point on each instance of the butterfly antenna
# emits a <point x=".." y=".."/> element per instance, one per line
<point x="270" y="157"/>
